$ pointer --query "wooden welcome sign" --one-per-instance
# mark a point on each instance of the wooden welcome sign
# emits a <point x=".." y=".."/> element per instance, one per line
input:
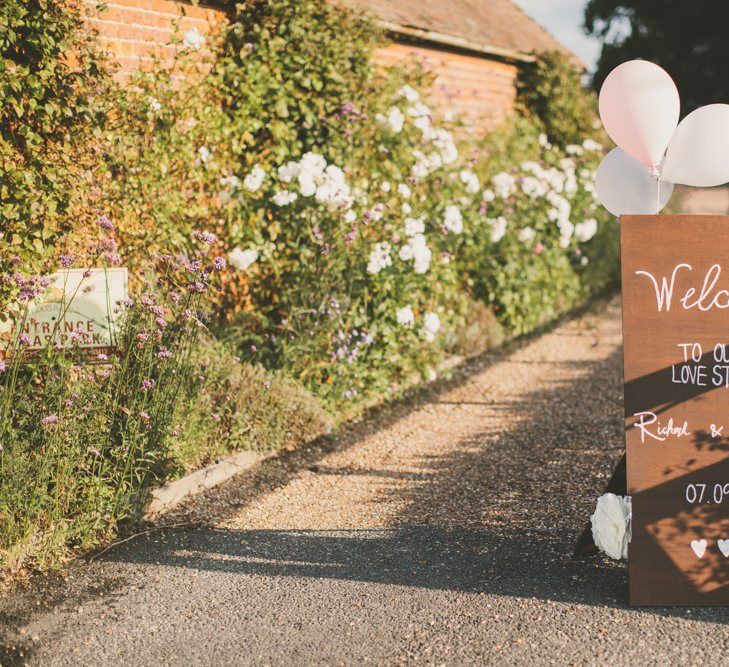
<point x="675" y="281"/>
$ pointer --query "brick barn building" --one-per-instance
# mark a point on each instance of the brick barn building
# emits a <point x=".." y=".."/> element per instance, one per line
<point x="474" y="47"/>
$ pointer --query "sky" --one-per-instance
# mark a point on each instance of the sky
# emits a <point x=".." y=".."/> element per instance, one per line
<point x="563" y="18"/>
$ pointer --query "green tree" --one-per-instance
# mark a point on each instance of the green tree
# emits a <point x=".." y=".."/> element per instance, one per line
<point x="686" y="37"/>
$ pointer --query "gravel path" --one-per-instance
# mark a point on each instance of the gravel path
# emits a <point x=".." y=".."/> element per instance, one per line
<point x="437" y="531"/>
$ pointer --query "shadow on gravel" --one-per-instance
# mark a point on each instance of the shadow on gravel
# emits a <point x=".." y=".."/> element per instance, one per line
<point x="498" y="516"/>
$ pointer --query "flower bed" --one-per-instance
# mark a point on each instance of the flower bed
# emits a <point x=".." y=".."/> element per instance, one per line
<point x="304" y="235"/>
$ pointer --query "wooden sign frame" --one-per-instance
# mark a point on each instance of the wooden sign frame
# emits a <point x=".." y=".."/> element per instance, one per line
<point x="675" y="286"/>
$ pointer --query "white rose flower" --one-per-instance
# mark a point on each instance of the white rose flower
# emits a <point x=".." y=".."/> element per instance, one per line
<point x="405" y="317"/>
<point x="431" y="326"/>
<point x="408" y="93"/>
<point x="470" y="180"/>
<point x="406" y="208"/>
<point x="574" y="149"/>
<point x="350" y="216"/>
<point x="393" y="120"/>
<point x="611" y="525"/>
<point x="241" y="259"/>
<point x="289" y="171"/>
<point x="452" y="219"/>
<point x="254" y="179"/>
<point x="312" y="161"/>
<point x="204" y="153"/>
<point x="498" y="228"/>
<point x="403" y="189"/>
<point x="527" y="235"/>
<point x="414" y="226"/>
<point x="307" y="185"/>
<point x="503" y="184"/>
<point x="416" y="249"/>
<point x="385" y="186"/>
<point x="584" y="231"/>
<point x="379" y="258"/>
<point x="488" y="196"/>
<point x="230" y="181"/>
<point x="591" y="145"/>
<point x="284" y="197"/>
<point x="192" y="39"/>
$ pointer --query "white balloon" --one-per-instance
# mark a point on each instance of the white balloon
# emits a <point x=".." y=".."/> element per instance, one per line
<point x="626" y="186"/>
<point x="699" y="151"/>
<point x="639" y="107"/>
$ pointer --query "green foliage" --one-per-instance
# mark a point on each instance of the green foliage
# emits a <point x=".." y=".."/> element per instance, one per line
<point x="364" y="242"/>
<point x="686" y="37"/>
<point x="48" y="79"/>
<point x="550" y="93"/>
<point x="229" y="405"/>
<point x="286" y="67"/>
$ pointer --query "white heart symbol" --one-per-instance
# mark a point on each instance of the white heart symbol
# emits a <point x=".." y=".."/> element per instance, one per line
<point x="699" y="547"/>
<point x="724" y="547"/>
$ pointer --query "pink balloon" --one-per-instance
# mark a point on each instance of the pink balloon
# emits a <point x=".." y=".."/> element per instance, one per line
<point x="639" y="107"/>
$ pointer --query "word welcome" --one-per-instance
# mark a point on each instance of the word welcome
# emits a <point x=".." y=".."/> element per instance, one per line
<point x="704" y="298"/>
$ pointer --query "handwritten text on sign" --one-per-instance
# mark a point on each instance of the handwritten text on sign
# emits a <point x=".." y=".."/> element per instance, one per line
<point x="676" y="333"/>
<point x="80" y="309"/>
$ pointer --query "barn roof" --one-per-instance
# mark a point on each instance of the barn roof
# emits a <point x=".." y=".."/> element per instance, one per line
<point x="492" y="27"/>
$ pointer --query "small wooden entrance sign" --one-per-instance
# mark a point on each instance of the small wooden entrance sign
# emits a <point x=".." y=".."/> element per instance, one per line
<point x="675" y="285"/>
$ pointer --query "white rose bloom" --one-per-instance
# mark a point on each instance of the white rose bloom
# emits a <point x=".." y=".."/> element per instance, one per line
<point x="385" y="186"/>
<point x="349" y="216"/>
<point x="289" y="171"/>
<point x="544" y="141"/>
<point x="405" y="317"/>
<point x="332" y="188"/>
<point x="307" y="185"/>
<point x="434" y="161"/>
<point x="204" y="153"/>
<point x="470" y="180"/>
<point x="403" y="189"/>
<point x="498" y="228"/>
<point x="408" y="93"/>
<point x="230" y="181"/>
<point x="379" y="258"/>
<point x="312" y="161"/>
<point x="431" y="326"/>
<point x="527" y="235"/>
<point x="254" y="180"/>
<point x="611" y="525"/>
<point x="566" y="229"/>
<point x="192" y="39"/>
<point x="406" y="208"/>
<point x="422" y="123"/>
<point x="585" y="260"/>
<point x="241" y="259"/>
<point x="488" y="196"/>
<point x="414" y="226"/>
<point x="591" y="145"/>
<point x="419" y="110"/>
<point x="284" y="197"/>
<point x="416" y="249"/>
<point x="584" y="231"/>
<point x="393" y="120"/>
<point x="503" y="184"/>
<point x="452" y="219"/>
<point x="574" y="149"/>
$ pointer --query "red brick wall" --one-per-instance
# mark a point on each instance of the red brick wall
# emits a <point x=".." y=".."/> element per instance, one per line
<point x="479" y="91"/>
<point x="133" y="31"/>
<point x="476" y="90"/>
